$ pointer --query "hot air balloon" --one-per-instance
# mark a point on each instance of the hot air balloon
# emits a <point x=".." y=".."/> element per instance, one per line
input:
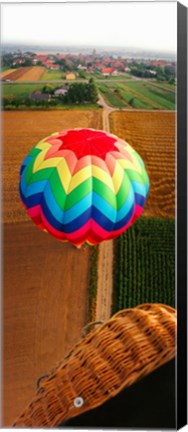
<point x="83" y="185"/>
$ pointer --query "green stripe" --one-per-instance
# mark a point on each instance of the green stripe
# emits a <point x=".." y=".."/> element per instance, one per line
<point x="135" y="176"/>
<point x="105" y="192"/>
<point x="124" y="191"/>
<point x="29" y="171"/>
<point x="57" y="189"/>
<point x="34" y="152"/>
<point x="78" y="193"/>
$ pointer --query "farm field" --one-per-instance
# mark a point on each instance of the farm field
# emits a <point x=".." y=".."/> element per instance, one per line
<point x="30" y="73"/>
<point x="52" y="75"/>
<point x="6" y="72"/>
<point x="19" y="90"/>
<point x="33" y="74"/>
<point x="153" y="136"/>
<point x="138" y="94"/>
<point x="41" y="320"/>
<point x="145" y="269"/>
<point x="21" y="131"/>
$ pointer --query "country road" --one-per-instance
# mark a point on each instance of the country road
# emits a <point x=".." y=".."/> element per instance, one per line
<point x="62" y="81"/>
<point x="105" y="259"/>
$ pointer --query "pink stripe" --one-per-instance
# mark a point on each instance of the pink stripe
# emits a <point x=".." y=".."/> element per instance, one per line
<point x="137" y="212"/>
<point x="58" y="234"/>
<point x="116" y="233"/>
<point x="91" y="232"/>
<point x="34" y="211"/>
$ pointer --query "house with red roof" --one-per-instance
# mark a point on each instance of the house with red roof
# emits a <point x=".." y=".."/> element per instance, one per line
<point x="108" y="71"/>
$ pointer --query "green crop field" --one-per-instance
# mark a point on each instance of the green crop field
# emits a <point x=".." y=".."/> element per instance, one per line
<point x="151" y="95"/>
<point x="52" y="75"/>
<point x="110" y="96"/>
<point x="138" y="94"/>
<point x="19" y="90"/>
<point x="144" y="264"/>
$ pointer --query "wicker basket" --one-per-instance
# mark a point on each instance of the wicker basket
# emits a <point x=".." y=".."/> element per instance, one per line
<point x="133" y="343"/>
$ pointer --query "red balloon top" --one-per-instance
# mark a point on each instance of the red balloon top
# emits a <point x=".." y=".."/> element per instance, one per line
<point x="85" y="142"/>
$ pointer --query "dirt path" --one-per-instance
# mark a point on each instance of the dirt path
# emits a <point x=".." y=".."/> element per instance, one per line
<point x="45" y="307"/>
<point x="105" y="260"/>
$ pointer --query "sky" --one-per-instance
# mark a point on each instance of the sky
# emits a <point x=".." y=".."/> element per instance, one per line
<point x="144" y="25"/>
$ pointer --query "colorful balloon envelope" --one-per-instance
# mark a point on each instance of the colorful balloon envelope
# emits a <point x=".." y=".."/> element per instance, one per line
<point x="83" y="185"/>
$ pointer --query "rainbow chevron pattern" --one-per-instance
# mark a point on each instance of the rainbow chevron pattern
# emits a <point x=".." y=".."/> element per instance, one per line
<point x="83" y="185"/>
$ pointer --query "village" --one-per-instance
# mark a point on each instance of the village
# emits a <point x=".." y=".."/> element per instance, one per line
<point x="61" y="79"/>
<point x="77" y="65"/>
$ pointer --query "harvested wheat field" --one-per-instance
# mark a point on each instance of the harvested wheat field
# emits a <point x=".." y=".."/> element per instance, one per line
<point x="152" y="134"/>
<point x="17" y="73"/>
<point x="32" y="74"/>
<point x="21" y="131"/>
<point x="45" y="298"/>
<point x="7" y="72"/>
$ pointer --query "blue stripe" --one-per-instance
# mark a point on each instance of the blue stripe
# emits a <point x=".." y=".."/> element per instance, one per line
<point x="23" y="186"/>
<point x="52" y="204"/>
<point x="33" y="200"/>
<point x="99" y="217"/>
<point x="78" y="209"/>
<point x="36" y="187"/>
<point x="139" y="188"/>
<point x="121" y="213"/>
<point x="147" y="185"/>
<point x="21" y="194"/>
<point x="25" y="163"/>
<point x="140" y="200"/>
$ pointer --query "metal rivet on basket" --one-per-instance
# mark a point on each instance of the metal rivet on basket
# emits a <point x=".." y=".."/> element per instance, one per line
<point x="78" y="402"/>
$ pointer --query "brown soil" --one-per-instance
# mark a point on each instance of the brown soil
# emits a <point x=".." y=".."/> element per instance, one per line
<point x="152" y="134"/>
<point x="32" y="74"/>
<point x="45" y="298"/>
<point x="14" y="75"/>
<point x="45" y="286"/>
<point x="21" y="131"/>
<point x="7" y="72"/>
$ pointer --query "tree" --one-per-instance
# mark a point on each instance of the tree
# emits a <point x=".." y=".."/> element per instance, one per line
<point x="92" y="91"/>
<point x="27" y="62"/>
<point x="48" y="89"/>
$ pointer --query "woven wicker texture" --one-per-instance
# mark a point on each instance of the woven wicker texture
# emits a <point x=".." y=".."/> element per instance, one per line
<point x="133" y="343"/>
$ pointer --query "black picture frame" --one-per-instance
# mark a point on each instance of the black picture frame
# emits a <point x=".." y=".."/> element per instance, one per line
<point x="181" y="293"/>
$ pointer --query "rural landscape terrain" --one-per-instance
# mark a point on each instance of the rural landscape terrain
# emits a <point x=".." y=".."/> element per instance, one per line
<point x="51" y="289"/>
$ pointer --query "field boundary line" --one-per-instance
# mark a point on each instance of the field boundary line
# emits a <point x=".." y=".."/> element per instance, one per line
<point x="105" y="257"/>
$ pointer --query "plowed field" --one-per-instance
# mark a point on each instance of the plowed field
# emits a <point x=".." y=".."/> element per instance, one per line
<point x="21" y="131"/>
<point x="45" y="282"/>
<point x="32" y="73"/>
<point x="7" y="72"/>
<point x="17" y="73"/>
<point x="153" y="137"/>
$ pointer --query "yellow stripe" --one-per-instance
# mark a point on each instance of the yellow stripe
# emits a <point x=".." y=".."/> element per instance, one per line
<point x="125" y="164"/>
<point x="43" y="145"/>
<point x="103" y="176"/>
<point x="117" y="177"/>
<point x="39" y="160"/>
<point x="88" y="172"/>
<point x="64" y="174"/>
<point x="136" y="164"/>
<point x="80" y="177"/>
